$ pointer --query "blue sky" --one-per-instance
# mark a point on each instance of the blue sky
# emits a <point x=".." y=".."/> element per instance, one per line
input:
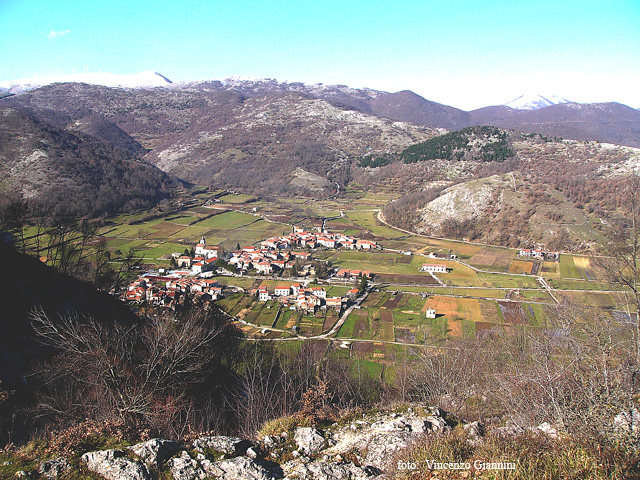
<point x="462" y="53"/>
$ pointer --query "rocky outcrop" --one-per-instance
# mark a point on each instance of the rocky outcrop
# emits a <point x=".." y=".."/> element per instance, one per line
<point x="375" y="438"/>
<point x="53" y="467"/>
<point x="358" y="449"/>
<point x="243" y="468"/>
<point x="183" y="467"/>
<point x="322" y="470"/>
<point x="308" y="440"/>
<point x="115" y="465"/>
<point x="226" y="445"/>
<point x="155" y="451"/>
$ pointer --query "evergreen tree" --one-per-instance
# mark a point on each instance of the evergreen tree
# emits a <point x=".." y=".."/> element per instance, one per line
<point x="363" y="283"/>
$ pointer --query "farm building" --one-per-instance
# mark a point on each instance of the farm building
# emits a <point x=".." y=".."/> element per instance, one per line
<point x="433" y="268"/>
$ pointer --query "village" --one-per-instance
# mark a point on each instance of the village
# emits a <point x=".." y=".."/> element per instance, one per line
<point x="191" y="281"/>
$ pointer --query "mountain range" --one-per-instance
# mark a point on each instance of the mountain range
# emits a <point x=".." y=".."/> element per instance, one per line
<point x="550" y="115"/>
<point x="259" y="135"/>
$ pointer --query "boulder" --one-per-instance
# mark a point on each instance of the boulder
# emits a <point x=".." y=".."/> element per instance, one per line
<point x="308" y="440"/>
<point x="114" y="465"/>
<point x="53" y="467"/>
<point x="155" y="451"/>
<point x="228" y="445"/>
<point x="239" y="468"/>
<point x="475" y="431"/>
<point x="380" y="448"/>
<point x="183" y="467"/>
<point x="546" y="429"/>
<point x="436" y="424"/>
<point x="322" y="470"/>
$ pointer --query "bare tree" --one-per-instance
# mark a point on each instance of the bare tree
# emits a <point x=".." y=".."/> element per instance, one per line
<point x="451" y="376"/>
<point x="143" y="373"/>
<point x="575" y="374"/>
<point x="620" y="261"/>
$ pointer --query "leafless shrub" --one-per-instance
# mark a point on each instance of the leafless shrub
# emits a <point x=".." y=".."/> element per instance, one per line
<point x="147" y="374"/>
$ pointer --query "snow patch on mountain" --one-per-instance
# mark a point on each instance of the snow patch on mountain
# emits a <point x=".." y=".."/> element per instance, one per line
<point x="138" y="80"/>
<point x="535" y="102"/>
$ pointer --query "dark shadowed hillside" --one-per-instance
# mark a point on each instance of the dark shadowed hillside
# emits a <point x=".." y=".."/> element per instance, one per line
<point x="26" y="284"/>
<point x="90" y="166"/>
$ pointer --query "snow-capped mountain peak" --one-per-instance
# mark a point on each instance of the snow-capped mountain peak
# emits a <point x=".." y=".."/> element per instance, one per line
<point x="137" y="80"/>
<point x="535" y="102"/>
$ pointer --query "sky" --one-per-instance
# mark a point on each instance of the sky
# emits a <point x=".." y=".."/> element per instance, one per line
<point x="463" y="53"/>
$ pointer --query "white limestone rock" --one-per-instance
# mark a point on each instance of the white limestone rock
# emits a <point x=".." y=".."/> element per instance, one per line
<point x="114" y="465"/>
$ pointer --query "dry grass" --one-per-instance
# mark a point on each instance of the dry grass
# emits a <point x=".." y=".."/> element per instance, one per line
<point x="451" y="307"/>
<point x="492" y="257"/>
<point x="387" y="331"/>
<point x="533" y="457"/>
<point x="520" y="266"/>
<point x="582" y="262"/>
<point x="454" y="328"/>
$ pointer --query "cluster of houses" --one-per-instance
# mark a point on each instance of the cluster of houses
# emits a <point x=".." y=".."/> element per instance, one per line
<point x="298" y="297"/>
<point x="538" y="254"/>
<point x="268" y="260"/>
<point x="273" y="256"/>
<point x="276" y="254"/>
<point x="172" y="290"/>
<point x="300" y="238"/>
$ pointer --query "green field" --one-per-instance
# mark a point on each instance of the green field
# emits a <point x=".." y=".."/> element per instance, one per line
<point x="236" y="198"/>
<point x="227" y="220"/>
<point x="368" y="220"/>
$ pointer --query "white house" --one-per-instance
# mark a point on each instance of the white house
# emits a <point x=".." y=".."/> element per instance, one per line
<point x="282" y="290"/>
<point x="433" y="268"/>
<point x="263" y="295"/>
<point x="263" y="267"/>
<point x="319" y="292"/>
<point x="431" y="313"/>
<point x="366" y="244"/>
<point x="183" y="261"/>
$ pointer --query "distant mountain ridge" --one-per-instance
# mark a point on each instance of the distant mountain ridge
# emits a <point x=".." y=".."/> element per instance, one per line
<point x="138" y="80"/>
<point x="604" y="122"/>
<point x="535" y="102"/>
<point x="255" y="134"/>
